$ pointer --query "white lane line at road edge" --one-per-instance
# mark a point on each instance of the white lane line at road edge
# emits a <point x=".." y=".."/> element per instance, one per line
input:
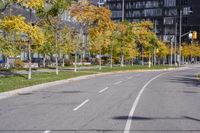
<point x="130" y="116"/>
<point x="130" y="77"/>
<point x="103" y="90"/>
<point x="116" y="83"/>
<point x="47" y="131"/>
<point x="79" y="106"/>
<point x="133" y="76"/>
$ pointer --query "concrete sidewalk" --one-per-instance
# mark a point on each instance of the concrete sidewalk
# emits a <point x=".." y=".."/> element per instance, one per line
<point x="45" y="70"/>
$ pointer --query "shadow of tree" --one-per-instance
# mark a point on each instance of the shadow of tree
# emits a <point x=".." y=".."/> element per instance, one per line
<point x="186" y="79"/>
<point x="117" y="130"/>
<point x="191" y="92"/>
<point x="8" y="74"/>
<point x="21" y="75"/>
<point x="139" y="118"/>
<point x="62" y="92"/>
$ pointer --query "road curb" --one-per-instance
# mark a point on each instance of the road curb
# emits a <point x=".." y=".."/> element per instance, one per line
<point x="29" y="89"/>
<point x="198" y="76"/>
<point x="41" y="86"/>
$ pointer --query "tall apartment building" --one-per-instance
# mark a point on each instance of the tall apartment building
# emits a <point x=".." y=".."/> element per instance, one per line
<point x="164" y="13"/>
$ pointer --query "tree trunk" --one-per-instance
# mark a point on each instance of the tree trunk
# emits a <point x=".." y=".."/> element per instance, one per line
<point x="142" y="56"/>
<point x="149" y="60"/>
<point x="57" y="64"/>
<point x="75" y="62"/>
<point x="122" y="59"/>
<point x="111" y="61"/>
<point x="63" y="61"/>
<point x="100" y="60"/>
<point x="81" y="58"/>
<point x="159" y="60"/>
<point x="56" y="42"/>
<point x="30" y="63"/>
<point x="132" y="61"/>
<point x="111" y="56"/>
<point x="44" y="60"/>
<point x="154" y="60"/>
<point x="7" y="63"/>
<point x="122" y="55"/>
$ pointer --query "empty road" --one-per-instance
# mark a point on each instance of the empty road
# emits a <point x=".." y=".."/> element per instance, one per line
<point x="135" y="102"/>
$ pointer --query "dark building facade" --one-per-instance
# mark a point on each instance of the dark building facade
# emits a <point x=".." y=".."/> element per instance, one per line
<point x="164" y="13"/>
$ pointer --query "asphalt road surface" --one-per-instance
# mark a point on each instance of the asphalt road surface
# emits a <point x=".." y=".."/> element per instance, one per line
<point x="136" y="102"/>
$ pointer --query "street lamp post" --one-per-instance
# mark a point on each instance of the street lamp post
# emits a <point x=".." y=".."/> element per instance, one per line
<point x="123" y="10"/>
<point x="122" y="54"/>
<point x="180" y="33"/>
<point x="56" y="43"/>
<point x="100" y="51"/>
<point x="155" y="30"/>
<point x="175" y="43"/>
<point x="171" y="60"/>
<point x="76" y="56"/>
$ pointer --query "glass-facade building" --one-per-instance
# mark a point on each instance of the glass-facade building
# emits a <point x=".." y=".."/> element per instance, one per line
<point x="164" y="13"/>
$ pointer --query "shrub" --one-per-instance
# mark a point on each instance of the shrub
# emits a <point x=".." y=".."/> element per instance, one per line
<point x="18" y="63"/>
<point x="67" y="62"/>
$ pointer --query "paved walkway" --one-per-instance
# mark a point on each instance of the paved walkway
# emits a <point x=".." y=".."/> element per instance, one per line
<point x="45" y="70"/>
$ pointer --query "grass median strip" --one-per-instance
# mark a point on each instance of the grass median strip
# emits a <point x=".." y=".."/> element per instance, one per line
<point x="12" y="82"/>
<point x="19" y="81"/>
<point x="131" y="68"/>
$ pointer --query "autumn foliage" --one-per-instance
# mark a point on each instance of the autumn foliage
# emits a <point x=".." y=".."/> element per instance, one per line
<point x="117" y="41"/>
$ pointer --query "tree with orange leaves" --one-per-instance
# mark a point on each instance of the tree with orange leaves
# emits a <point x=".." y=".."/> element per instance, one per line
<point x="98" y="22"/>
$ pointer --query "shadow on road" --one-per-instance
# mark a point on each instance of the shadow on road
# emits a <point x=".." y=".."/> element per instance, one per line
<point x="62" y="92"/>
<point x="186" y="79"/>
<point x="191" y="92"/>
<point x="96" y="131"/>
<point x="139" y="118"/>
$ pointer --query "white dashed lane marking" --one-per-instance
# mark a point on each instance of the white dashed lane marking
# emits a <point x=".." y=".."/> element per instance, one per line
<point x="116" y="83"/>
<point x="130" y="77"/>
<point x="47" y="131"/>
<point x="79" y="106"/>
<point x="101" y="91"/>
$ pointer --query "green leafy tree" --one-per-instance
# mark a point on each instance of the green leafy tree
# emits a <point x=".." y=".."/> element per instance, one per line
<point x="50" y="14"/>
<point x="16" y="29"/>
<point x="98" y="21"/>
<point x="146" y="39"/>
<point x="67" y="41"/>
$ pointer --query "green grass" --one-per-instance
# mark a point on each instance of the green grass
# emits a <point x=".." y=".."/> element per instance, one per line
<point x="19" y="81"/>
<point x="8" y="83"/>
<point x="18" y="69"/>
<point x="134" y="67"/>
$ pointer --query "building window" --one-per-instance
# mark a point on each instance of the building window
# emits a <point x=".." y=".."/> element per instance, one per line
<point x="186" y="11"/>
<point x="140" y="4"/>
<point x="167" y="38"/>
<point x="171" y="12"/>
<point x="169" y="3"/>
<point x="133" y="14"/>
<point x="169" y="20"/>
<point x="116" y="14"/>
<point x="115" y="6"/>
<point x="169" y="30"/>
<point x="152" y="12"/>
<point x="150" y="4"/>
<point x="182" y="2"/>
<point x="136" y="20"/>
